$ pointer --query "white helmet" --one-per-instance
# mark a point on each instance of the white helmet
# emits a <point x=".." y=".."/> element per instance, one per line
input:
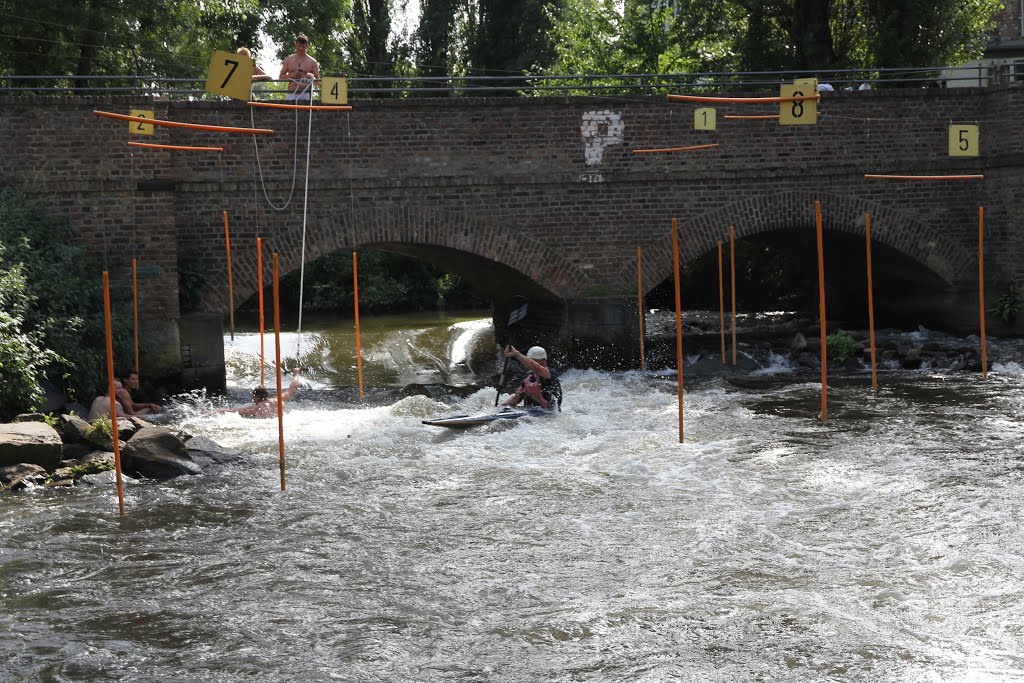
<point x="537" y="353"/>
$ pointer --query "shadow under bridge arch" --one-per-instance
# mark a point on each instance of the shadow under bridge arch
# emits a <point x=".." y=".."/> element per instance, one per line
<point x="496" y="281"/>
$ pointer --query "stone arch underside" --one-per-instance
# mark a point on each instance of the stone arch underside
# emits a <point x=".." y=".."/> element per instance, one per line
<point x="485" y="251"/>
<point x="699" y="235"/>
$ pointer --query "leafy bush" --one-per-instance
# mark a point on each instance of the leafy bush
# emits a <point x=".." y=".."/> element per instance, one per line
<point x="63" y="305"/>
<point x="101" y="428"/>
<point x="387" y="282"/>
<point x="1008" y="304"/>
<point x="22" y="356"/>
<point x="840" y="346"/>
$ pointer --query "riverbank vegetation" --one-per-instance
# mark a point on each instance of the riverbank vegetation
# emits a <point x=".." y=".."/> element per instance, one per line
<point x="51" y="309"/>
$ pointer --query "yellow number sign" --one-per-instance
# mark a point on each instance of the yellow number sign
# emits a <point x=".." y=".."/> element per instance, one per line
<point x="334" y="90"/>
<point x="137" y="127"/>
<point x="704" y="118"/>
<point x="230" y="74"/>
<point x="800" y="112"/>
<point x="963" y="140"/>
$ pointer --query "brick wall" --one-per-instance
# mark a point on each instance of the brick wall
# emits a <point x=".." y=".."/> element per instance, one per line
<point x="546" y="190"/>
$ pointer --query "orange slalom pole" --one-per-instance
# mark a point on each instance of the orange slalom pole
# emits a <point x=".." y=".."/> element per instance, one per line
<point x="742" y="100"/>
<point x="721" y="299"/>
<point x="178" y="124"/>
<point x="277" y="365"/>
<point x="871" y="303"/>
<point x="981" y="290"/>
<point x="640" y="298"/>
<point x="750" y="117"/>
<point x="231" y="288"/>
<point x="732" y="261"/>
<point x="359" y="349"/>
<point x="181" y="148"/>
<point x="679" y="323"/>
<point x="675" y="149"/>
<point x="303" y="107"/>
<point x="821" y="312"/>
<point x="876" y="176"/>
<point x="259" y="287"/>
<point x="110" y="388"/>
<point x="135" y="306"/>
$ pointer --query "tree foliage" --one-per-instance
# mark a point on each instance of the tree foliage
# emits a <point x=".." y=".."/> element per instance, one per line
<point x="60" y="305"/>
<point x="667" y="36"/>
<point x="100" y="37"/>
<point x="495" y="37"/>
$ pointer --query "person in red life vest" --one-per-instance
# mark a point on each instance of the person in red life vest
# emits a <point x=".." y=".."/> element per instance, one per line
<point x="539" y="387"/>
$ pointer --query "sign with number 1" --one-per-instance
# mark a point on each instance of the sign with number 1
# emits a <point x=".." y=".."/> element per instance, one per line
<point x="230" y="74"/>
<point x="704" y="118"/>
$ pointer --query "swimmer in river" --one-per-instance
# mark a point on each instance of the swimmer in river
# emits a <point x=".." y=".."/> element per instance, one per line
<point x="263" y="405"/>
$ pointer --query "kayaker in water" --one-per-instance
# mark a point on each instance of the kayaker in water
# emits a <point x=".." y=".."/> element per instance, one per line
<point x="539" y="387"/>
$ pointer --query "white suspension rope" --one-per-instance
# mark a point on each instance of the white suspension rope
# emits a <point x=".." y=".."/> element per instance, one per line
<point x="305" y="204"/>
<point x="259" y="163"/>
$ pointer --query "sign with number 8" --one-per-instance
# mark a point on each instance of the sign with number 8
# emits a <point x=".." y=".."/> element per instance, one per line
<point x="797" y="112"/>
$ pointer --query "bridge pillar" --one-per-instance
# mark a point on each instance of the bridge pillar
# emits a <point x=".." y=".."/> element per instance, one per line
<point x="602" y="333"/>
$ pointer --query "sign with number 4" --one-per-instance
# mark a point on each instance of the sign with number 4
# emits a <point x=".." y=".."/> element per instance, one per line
<point x="334" y="90"/>
<point x="230" y="74"/>
<point x="963" y="140"/>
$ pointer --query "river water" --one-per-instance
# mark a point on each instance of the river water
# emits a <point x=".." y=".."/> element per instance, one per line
<point x="884" y="545"/>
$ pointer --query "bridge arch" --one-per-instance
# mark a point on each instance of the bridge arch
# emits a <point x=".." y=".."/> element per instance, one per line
<point x="477" y="249"/>
<point x="754" y="214"/>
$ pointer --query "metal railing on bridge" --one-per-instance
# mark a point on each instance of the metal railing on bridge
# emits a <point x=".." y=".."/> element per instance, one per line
<point x="605" y="85"/>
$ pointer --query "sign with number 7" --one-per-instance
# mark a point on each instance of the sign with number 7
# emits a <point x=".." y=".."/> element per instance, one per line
<point x="230" y="74"/>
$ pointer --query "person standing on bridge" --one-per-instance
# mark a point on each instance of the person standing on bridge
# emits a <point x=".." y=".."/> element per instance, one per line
<point x="539" y="387"/>
<point x="301" y="71"/>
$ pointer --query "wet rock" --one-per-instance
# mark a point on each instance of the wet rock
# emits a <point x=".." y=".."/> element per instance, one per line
<point x="75" y="451"/>
<point x="30" y="442"/>
<point x="107" y="478"/>
<point x="911" y="360"/>
<point x="799" y="343"/>
<point x="157" y="453"/>
<point x="206" y="452"/>
<point x="21" y="476"/>
<point x="73" y="429"/>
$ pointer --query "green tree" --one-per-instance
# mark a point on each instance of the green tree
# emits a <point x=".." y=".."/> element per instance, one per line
<point x="63" y="286"/>
<point x="103" y="37"/>
<point x="666" y="36"/>
<point x="23" y="360"/>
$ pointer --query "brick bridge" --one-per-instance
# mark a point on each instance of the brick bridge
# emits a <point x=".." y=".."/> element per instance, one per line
<point x="536" y="196"/>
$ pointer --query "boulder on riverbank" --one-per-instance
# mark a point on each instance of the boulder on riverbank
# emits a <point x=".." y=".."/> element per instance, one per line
<point x="33" y="454"/>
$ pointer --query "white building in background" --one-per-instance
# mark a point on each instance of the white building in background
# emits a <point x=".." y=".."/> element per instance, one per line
<point x="1003" y="61"/>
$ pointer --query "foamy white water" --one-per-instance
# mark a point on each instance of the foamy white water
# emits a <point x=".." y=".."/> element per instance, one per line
<point x="884" y="545"/>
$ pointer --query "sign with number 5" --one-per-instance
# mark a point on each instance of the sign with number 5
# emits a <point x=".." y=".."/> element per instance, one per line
<point x="963" y="140"/>
<point x="230" y="74"/>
